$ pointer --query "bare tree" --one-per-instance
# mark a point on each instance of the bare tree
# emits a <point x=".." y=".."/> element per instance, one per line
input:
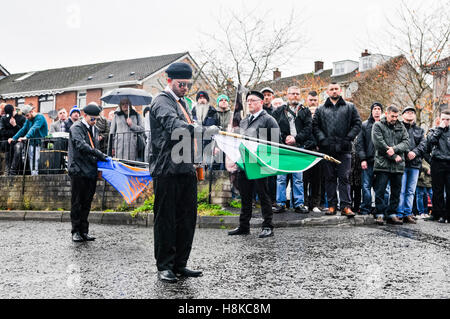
<point x="248" y="46"/>
<point x="421" y="35"/>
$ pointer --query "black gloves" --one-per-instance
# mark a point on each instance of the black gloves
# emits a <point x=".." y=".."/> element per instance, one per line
<point x="100" y="156"/>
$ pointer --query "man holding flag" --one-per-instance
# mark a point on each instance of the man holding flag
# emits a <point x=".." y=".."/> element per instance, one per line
<point x="83" y="157"/>
<point x="261" y="125"/>
<point x="173" y="172"/>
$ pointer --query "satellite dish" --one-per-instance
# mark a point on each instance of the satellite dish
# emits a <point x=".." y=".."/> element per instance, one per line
<point x="353" y="87"/>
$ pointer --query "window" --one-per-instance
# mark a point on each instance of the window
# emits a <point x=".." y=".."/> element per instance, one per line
<point x="46" y="103"/>
<point x="106" y="105"/>
<point x="81" y="100"/>
<point x="339" y="68"/>
<point x="366" y="64"/>
<point x="20" y="102"/>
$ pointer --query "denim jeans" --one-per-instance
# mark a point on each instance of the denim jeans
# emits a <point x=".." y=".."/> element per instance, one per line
<point x="422" y="194"/>
<point x="297" y="187"/>
<point x="380" y="184"/>
<point x="366" y="187"/>
<point x="409" y="183"/>
<point x="34" y="153"/>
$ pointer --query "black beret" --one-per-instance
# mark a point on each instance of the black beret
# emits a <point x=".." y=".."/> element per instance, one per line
<point x="9" y="109"/>
<point x="204" y="94"/>
<point x="92" y="109"/>
<point x="255" y="93"/>
<point x="376" y="104"/>
<point x="179" y="70"/>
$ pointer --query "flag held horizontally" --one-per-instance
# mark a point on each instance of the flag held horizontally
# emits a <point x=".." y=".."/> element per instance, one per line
<point x="260" y="158"/>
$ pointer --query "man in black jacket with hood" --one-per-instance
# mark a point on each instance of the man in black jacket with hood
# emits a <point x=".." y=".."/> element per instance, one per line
<point x="83" y="157"/>
<point x="173" y="172"/>
<point x="335" y="125"/>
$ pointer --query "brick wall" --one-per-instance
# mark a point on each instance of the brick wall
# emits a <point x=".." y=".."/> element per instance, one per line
<point x="53" y="192"/>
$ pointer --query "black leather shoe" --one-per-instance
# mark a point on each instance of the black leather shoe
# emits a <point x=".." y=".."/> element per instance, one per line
<point x="442" y="220"/>
<point x="266" y="232"/>
<point x="76" y="238"/>
<point x="184" y="272"/>
<point x="86" y="237"/>
<point x="238" y="231"/>
<point x="167" y="276"/>
<point x="278" y="209"/>
<point x="301" y="209"/>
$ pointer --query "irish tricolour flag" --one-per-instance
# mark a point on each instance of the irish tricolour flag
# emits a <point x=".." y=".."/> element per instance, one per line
<point x="260" y="160"/>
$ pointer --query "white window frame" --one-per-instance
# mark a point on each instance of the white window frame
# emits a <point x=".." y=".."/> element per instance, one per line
<point x="46" y="103"/>
<point x="81" y="99"/>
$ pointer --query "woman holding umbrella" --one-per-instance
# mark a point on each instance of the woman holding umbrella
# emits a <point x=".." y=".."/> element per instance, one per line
<point x="125" y="129"/>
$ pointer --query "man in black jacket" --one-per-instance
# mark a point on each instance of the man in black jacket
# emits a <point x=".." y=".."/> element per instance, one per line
<point x="413" y="164"/>
<point x="295" y="124"/>
<point x="10" y="124"/>
<point x="261" y="125"/>
<point x="83" y="157"/>
<point x="366" y="153"/>
<point x="335" y="125"/>
<point x="173" y="172"/>
<point x="311" y="178"/>
<point x="438" y="144"/>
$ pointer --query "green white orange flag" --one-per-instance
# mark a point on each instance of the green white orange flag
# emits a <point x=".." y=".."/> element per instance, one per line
<point x="260" y="160"/>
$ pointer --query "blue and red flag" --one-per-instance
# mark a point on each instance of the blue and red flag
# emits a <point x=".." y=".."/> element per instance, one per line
<point x="127" y="180"/>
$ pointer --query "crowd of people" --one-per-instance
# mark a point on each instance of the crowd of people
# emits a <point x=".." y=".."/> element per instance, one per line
<point x="389" y="166"/>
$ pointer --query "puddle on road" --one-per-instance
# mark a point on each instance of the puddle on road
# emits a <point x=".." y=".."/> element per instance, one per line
<point x="418" y="235"/>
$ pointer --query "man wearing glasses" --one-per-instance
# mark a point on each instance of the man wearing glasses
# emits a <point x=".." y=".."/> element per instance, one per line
<point x="83" y="157"/>
<point x="174" y="176"/>
<point x="261" y="125"/>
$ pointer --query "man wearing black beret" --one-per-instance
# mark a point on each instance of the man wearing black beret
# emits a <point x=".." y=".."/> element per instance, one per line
<point x="261" y="125"/>
<point x="174" y="177"/>
<point x="83" y="157"/>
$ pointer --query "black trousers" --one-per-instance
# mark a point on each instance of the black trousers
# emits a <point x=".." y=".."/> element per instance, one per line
<point x="312" y="182"/>
<point x="246" y="188"/>
<point x="272" y="182"/>
<point x="341" y="172"/>
<point x="175" y="219"/>
<point x="440" y="177"/>
<point x="83" y="191"/>
<point x="381" y="180"/>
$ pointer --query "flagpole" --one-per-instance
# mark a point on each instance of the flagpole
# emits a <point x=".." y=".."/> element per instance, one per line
<point x="131" y="162"/>
<point x="292" y="148"/>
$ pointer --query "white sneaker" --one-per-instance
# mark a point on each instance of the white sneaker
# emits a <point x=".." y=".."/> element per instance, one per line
<point x="316" y="210"/>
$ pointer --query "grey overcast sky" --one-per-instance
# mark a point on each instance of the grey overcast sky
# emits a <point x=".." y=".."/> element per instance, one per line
<point x="38" y="35"/>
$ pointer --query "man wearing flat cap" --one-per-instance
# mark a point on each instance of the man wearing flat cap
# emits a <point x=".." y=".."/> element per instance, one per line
<point x="83" y="157"/>
<point x="269" y="95"/>
<point x="174" y="177"/>
<point x="261" y="125"/>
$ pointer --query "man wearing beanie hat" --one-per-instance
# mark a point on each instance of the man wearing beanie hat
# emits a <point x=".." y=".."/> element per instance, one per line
<point x="203" y="113"/>
<point x="74" y="116"/>
<point x="413" y="165"/>
<point x="174" y="178"/>
<point x="82" y="167"/>
<point x="366" y="153"/>
<point x="224" y="111"/>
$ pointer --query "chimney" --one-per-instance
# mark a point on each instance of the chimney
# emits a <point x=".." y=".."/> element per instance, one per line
<point x="365" y="53"/>
<point x="276" y="74"/>
<point x="318" y="65"/>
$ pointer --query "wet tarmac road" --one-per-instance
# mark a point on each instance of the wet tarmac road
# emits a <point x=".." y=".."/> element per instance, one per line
<point x="38" y="260"/>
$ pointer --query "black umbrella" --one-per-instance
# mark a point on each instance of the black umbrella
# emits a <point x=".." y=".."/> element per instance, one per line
<point x="135" y="96"/>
